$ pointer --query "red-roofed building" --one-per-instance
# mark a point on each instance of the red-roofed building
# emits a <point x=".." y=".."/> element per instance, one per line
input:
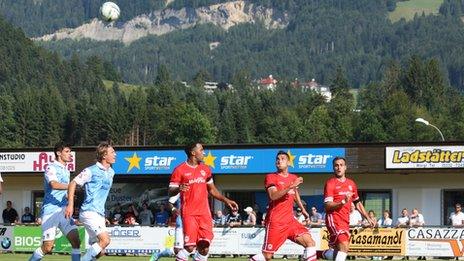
<point x="268" y="83"/>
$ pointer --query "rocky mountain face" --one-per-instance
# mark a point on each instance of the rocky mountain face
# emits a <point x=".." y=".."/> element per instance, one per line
<point x="165" y="21"/>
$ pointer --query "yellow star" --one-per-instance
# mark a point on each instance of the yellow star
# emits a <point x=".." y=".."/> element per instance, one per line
<point x="209" y="160"/>
<point x="134" y="162"/>
<point x="291" y="158"/>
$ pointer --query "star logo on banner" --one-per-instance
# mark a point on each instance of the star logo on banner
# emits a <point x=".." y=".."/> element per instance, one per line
<point x="134" y="162"/>
<point x="209" y="160"/>
<point x="291" y="158"/>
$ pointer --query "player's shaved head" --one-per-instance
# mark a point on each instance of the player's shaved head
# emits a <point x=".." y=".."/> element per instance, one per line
<point x="338" y="158"/>
<point x="281" y="152"/>
<point x="191" y="147"/>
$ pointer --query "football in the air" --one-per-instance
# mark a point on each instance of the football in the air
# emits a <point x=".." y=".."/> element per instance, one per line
<point x="110" y="11"/>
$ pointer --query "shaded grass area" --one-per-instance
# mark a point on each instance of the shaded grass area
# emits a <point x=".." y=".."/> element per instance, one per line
<point x="407" y="9"/>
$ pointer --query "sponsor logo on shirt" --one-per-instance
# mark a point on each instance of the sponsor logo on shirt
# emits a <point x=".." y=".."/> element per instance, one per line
<point x="198" y="180"/>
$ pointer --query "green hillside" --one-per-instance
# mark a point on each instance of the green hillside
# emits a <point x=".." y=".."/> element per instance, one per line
<point x="407" y="9"/>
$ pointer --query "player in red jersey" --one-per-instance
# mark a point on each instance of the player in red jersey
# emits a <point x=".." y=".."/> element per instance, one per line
<point x="339" y="193"/>
<point x="194" y="180"/>
<point x="281" y="224"/>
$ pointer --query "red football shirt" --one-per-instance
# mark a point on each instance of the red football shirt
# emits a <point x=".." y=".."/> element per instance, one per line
<point x="194" y="201"/>
<point x="280" y="210"/>
<point x="335" y="191"/>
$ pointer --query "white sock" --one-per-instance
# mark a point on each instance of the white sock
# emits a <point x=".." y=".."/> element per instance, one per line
<point x="341" y="256"/>
<point x="199" y="257"/>
<point x="166" y="252"/>
<point x="258" y="257"/>
<point x="309" y="254"/>
<point x="328" y="254"/>
<point x="93" y="251"/>
<point x="37" y="255"/>
<point x="182" y="255"/>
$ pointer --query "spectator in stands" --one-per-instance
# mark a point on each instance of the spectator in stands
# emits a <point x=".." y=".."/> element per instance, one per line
<point x="130" y="220"/>
<point x="219" y="219"/>
<point x="300" y="217"/>
<point x="371" y="214"/>
<point x="251" y="217"/>
<point x="27" y="217"/>
<point x="315" y="217"/>
<point x="10" y="215"/>
<point x="355" y="216"/>
<point x="403" y="220"/>
<point x="416" y="219"/>
<point x="457" y="217"/>
<point x="131" y="213"/>
<point x="386" y="220"/>
<point x="145" y="216"/>
<point x="162" y="216"/>
<point x="259" y="214"/>
<point x="234" y="219"/>
<point x="117" y="215"/>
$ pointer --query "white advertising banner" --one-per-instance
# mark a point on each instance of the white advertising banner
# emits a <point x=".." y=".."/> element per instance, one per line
<point x="240" y="241"/>
<point x="435" y="242"/>
<point x="139" y="239"/>
<point x="426" y="157"/>
<point x="30" y="161"/>
<point x="247" y="241"/>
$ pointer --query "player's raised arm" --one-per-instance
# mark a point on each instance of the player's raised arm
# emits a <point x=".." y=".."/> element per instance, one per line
<point x="275" y="194"/>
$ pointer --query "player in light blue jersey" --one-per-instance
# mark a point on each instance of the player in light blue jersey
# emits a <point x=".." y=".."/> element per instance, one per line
<point x="96" y="180"/>
<point x="179" y="235"/>
<point x="55" y="200"/>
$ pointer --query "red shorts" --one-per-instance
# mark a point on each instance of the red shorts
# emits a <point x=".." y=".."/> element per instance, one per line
<point x="338" y="231"/>
<point x="196" y="229"/>
<point x="277" y="233"/>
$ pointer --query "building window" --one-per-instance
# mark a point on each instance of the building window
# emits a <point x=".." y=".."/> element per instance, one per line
<point x="450" y="198"/>
<point x="377" y="200"/>
<point x="37" y="201"/>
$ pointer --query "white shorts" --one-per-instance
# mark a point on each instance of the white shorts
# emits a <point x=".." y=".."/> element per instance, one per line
<point x="179" y="238"/>
<point x="55" y="220"/>
<point x="94" y="224"/>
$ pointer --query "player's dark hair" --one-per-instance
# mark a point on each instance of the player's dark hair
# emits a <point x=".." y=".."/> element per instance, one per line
<point x="338" y="158"/>
<point x="281" y="152"/>
<point x="59" y="147"/>
<point x="189" y="148"/>
<point x="102" y="150"/>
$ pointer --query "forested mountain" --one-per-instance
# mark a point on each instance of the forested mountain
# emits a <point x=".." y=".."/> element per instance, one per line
<point x="321" y="35"/>
<point x="45" y="99"/>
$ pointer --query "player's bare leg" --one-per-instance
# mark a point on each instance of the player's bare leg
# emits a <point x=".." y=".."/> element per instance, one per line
<point x="202" y="251"/>
<point x="73" y="238"/>
<point x="307" y="242"/>
<point x="46" y="248"/>
<point x="97" y="249"/>
<point x="341" y="252"/>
